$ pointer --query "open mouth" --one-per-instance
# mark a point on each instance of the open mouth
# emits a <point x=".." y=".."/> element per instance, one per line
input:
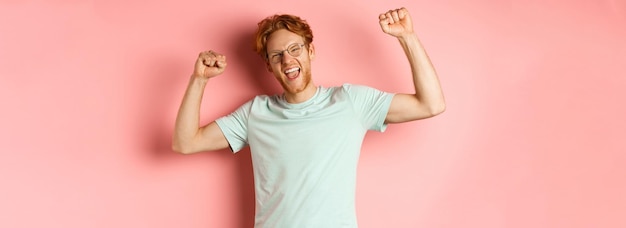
<point x="292" y="73"/>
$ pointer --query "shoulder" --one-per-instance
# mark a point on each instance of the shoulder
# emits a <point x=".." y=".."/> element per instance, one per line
<point x="265" y="98"/>
<point x="254" y="101"/>
<point x="260" y="98"/>
<point x="353" y="89"/>
<point x="264" y="101"/>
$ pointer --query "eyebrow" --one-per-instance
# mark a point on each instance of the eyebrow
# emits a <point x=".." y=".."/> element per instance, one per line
<point x="281" y="51"/>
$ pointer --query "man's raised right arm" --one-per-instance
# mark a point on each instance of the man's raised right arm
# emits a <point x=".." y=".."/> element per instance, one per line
<point x="188" y="136"/>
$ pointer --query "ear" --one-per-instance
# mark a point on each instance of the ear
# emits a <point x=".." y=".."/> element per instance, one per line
<point x="268" y="66"/>
<point x="311" y="51"/>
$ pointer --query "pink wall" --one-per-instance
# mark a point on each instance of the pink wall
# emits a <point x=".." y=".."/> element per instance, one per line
<point x="533" y="135"/>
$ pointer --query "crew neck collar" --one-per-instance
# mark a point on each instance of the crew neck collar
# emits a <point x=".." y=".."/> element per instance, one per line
<point x="301" y="104"/>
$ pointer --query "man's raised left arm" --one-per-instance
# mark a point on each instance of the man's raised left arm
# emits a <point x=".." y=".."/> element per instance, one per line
<point x="428" y="100"/>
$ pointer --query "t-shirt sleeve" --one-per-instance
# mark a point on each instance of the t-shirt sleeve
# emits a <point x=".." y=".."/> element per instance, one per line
<point x="234" y="126"/>
<point x="371" y="105"/>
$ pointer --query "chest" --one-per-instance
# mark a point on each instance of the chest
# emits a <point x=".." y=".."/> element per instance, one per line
<point x="310" y="134"/>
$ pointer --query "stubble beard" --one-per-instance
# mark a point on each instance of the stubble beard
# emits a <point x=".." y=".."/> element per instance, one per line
<point x="306" y="77"/>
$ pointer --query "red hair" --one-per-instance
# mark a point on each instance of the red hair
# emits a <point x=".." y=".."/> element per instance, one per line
<point x="274" y="23"/>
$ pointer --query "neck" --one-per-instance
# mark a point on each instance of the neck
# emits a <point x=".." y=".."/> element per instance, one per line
<point x="302" y="96"/>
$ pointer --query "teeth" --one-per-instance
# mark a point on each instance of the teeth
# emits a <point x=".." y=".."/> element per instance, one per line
<point x="292" y="70"/>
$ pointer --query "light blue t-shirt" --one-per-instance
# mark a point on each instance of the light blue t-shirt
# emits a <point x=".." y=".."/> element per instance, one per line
<point x="305" y="155"/>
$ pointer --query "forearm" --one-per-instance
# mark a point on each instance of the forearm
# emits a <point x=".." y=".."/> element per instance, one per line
<point x="188" y="118"/>
<point x="427" y="87"/>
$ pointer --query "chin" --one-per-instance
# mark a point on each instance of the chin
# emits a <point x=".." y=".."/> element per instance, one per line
<point x="301" y="85"/>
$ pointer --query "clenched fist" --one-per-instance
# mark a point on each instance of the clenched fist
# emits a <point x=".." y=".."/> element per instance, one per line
<point x="209" y="64"/>
<point x="396" y="22"/>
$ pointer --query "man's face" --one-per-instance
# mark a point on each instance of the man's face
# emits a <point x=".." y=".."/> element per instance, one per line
<point x="293" y="73"/>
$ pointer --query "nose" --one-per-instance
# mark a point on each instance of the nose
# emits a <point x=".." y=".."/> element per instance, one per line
<point x="286" y="57"/>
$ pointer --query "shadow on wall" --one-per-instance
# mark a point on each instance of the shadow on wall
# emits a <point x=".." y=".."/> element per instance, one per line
<point x="253" y="66"/>
<point x="164" y="96"/>
<point x="255" y="71"/>
<point x="156" y="125"/>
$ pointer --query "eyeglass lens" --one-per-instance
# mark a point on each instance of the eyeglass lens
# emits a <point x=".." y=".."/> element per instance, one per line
<point x="294" y="51"/>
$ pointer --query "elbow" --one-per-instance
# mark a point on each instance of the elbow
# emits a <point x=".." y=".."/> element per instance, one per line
<point x="433" y="110"/>
<point x="182" y="151"/>
<point x="180" y="148"/>
<point x="438" y="109"/>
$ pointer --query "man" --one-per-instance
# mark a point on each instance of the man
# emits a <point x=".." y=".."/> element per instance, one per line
<point x="305" y="142"/>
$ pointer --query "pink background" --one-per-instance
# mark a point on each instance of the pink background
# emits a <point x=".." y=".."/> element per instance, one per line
<point x="533" y="135"/>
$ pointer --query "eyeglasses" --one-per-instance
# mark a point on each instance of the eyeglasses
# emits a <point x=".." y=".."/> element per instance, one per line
<point x="294" y="50"/>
